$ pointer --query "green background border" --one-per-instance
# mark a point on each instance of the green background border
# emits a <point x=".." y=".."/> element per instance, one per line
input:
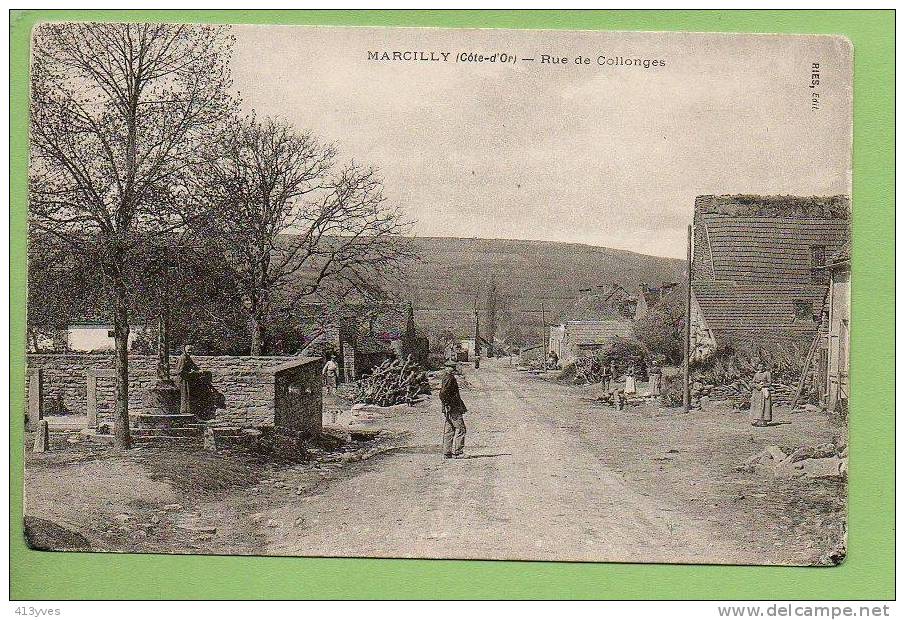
<point x="867" y="573"/>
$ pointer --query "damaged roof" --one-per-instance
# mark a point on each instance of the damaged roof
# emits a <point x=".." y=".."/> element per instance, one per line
<point x="759" y="266"/>
<point x="598" y="332"/>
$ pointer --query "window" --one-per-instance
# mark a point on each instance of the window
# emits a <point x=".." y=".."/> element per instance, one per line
<point x="803" y="310"/>
<point x="819" y="274"/>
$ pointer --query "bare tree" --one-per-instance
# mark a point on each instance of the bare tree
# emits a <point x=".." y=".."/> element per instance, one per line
<point x="117" y="117"/>
<point x="289" y="221"/>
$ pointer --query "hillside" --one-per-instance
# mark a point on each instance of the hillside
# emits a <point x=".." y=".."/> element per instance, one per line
<point x="529" y="275"/>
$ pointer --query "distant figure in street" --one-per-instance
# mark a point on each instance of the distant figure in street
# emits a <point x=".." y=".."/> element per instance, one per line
<point x="630" y="387"/>
<point x="453" y="415"/>
<point x="451" y="353"/>
<point x="185" y="369"/>
<point x="552" y="361"/>
<point x="655" y="378"/>
<point x="331" y="375"/>
<point x="605" y="378"/>
<point x="761" y="396"/>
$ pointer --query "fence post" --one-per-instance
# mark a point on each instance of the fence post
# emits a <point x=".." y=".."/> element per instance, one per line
<point x="35" y="398"/>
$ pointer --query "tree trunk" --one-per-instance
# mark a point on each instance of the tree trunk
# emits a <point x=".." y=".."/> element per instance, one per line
<point x="258" y="337"/>
<point x="121" y="437"/>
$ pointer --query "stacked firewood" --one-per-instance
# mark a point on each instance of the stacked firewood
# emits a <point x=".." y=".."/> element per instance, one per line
<point x="394" y="382"/>
<point x="588" y="369"/>
<point x="739" y="392"/>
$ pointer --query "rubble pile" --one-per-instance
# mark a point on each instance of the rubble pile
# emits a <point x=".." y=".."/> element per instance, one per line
<point x="394" y="382"/>
<point x="826" y="460"/>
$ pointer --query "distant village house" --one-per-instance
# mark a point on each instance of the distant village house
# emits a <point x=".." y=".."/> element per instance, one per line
<point x="596" y="318"/>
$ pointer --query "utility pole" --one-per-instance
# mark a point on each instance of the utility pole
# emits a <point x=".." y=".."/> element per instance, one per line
<point x="543" y="336"/>
<point x="686" y="389"/>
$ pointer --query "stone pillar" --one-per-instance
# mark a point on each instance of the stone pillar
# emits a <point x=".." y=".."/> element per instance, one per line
<point x="348" y="362"/>
<point x="35" y="398"/>
<point x="91" y="377"/>
<point x="91" y="399"/>
<point x="42" y="437"/>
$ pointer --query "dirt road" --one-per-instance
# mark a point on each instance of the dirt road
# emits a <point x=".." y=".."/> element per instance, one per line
<point x="530" y="489"/>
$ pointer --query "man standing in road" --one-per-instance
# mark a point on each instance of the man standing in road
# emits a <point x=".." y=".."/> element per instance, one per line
<point x="453" y="413"/>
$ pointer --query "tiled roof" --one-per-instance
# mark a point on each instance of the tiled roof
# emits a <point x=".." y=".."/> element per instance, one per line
<point x="598" y="332"/>
<point x="757" y="308"/>
<point x="769" y="249"/>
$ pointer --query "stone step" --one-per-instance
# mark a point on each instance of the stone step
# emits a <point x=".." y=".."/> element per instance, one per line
<point x="166" y="440"/>
<point x="66" y="423"/>
<point x="149" y="419"/>
<point x="91" y="435"/>
<point x="144" y="436"/>
<point x="176" y="431"/>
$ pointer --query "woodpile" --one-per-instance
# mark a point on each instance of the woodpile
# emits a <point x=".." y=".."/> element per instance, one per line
<point x="394" y="382"/>
<point x="739" y="392"/>
<point x="588" y="370"/>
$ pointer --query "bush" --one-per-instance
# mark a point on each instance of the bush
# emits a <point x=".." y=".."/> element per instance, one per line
<point x="671" y="390"/>
<point x="662" y="329"/>
<point x="567" y="373"/>
<point x="626" y="352"/>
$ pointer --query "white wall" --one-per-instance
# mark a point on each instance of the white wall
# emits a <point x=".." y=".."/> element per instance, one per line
<point x="96" y="337"/>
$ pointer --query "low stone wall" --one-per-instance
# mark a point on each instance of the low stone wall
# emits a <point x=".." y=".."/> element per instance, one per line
<point x="298" y="392"/>
<point x="248" y="383"/>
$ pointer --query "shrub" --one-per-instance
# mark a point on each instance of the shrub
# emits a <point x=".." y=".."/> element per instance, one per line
<point x="625" y="352"/>
<point x="671" y="390"/>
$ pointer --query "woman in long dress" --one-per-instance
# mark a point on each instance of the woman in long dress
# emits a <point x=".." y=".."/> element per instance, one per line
<point x="654" y="377"/>
<point x="761" y="396"/>
<point x="630" y="387"/>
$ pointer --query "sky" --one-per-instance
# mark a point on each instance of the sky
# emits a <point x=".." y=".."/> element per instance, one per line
<point x="605" y="155"/>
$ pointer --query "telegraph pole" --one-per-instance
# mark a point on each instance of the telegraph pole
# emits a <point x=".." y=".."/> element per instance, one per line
<point x="686" y="389"/>
<point x="543" y="337"/>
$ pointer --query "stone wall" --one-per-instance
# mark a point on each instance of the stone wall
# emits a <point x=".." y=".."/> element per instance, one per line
<point x="298" y="390"/>
<point x="247" y="383"/>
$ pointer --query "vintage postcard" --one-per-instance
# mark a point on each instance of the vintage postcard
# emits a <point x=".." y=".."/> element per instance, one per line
<point x="437" y="293"/>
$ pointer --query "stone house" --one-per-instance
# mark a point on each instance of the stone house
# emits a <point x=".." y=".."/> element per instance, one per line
<point x="758" y="268"/>
<point x="595" y="318"/>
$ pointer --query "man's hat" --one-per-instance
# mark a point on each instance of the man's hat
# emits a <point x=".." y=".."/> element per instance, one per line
<point x="450" y="364"/>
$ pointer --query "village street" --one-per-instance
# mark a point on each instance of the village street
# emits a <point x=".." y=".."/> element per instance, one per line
<point x="537" y="484"/>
